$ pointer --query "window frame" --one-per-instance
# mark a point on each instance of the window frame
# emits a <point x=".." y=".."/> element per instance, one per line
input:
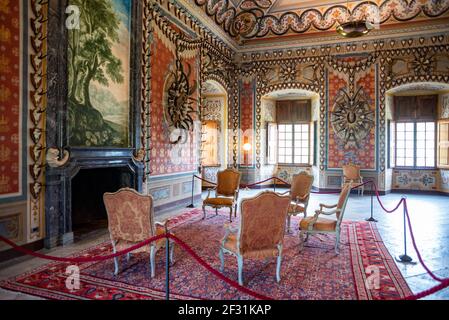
<point x="415" y="143"/>
<point x="309" y="145"/>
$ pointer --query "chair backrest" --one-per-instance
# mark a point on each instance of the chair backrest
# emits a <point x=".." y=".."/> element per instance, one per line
<point x="130" y="215"/>
<point x="351" y="171"/>
<point x="263" y="220"/>
<point x="228" y="182"/>
<point x="343" y="200"/>
<point x="301" y="185"/>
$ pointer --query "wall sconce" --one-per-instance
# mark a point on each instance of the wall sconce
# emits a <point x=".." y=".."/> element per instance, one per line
<point x="247" y="147"/>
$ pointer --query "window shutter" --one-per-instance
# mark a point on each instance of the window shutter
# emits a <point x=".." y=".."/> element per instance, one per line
<point x="411" y="108"/>
<point x="294" y="111"/>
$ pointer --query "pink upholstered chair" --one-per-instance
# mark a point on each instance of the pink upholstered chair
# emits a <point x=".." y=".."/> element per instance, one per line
<point x="351" y="174"/>
<point x="316" y="224"/>
<point x="261" y="232"/>
<point x="131" y="220"/>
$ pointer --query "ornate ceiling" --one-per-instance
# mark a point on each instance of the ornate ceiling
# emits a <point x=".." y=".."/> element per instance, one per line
<point x="261" y="20"/>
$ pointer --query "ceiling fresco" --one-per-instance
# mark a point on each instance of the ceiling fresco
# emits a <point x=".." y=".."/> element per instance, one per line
<point x="258" y="19"/>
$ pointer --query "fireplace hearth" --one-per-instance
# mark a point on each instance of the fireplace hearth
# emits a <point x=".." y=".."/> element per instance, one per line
<point x="88" y="186"/>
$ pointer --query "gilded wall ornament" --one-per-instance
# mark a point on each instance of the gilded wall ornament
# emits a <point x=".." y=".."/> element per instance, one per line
<point x="352" y="118"/>
<point x="178" y="101"/>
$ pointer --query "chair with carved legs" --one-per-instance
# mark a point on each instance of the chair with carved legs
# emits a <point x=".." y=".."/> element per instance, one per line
<point x="300" y="193"/>
<point x="226" y="192"/>
<point x="316" y="224"/>
<point x="131" y="220"/>
<point x="261" y="231"/>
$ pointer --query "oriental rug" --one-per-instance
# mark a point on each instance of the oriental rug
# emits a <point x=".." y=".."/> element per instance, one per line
<point x="364" y="270"/>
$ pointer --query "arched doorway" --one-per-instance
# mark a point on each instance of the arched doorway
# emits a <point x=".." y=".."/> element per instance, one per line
<point x="214" y="142"/>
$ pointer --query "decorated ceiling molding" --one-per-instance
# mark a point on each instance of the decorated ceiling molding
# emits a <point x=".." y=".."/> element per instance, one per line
<point x="249" y="19"/>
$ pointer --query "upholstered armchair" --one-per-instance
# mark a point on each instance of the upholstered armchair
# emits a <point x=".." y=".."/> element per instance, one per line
<point x="261" y="231"/>
<point x="300" y="194"/>
<point x="131" y="220"/>
<point x="351" y="174"/>
<point x="317" y="224"/>
<point x="226" y="192"/>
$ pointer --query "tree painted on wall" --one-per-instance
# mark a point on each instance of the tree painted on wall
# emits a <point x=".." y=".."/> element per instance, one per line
<point x="91" y="59"/>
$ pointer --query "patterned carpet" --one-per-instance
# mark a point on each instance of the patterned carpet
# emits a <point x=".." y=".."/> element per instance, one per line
<point x="316" y="273"/>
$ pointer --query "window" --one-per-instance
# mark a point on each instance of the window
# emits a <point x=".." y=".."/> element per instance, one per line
<point x="414" y="145"/>
<point x="415" y="131"/>
<point x="272" y="143"/>
<point x="210" y="143"/>
<point x="443" y="144"/>
<point x="294" y="144"/>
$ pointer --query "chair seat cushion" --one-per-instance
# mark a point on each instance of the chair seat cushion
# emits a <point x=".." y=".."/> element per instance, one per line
<point x="322" y="224"/>
<point x="294" y="208"/>
<point x="231" y="245"/>
<point x="219" y="202"/>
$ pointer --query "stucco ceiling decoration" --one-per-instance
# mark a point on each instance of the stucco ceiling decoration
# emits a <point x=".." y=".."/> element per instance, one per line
<point x="255" y="19"/>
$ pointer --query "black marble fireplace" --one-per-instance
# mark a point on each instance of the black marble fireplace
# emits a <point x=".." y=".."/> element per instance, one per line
<point x="88" y="187"/>
<point x="74" y="192"/>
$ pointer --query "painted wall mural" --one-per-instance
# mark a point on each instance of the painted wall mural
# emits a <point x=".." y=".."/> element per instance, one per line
<point x="99" y="64"/>
<point x="415" y="180"/>
<point x="10" y="109"/>
<point x="352" y="134"/>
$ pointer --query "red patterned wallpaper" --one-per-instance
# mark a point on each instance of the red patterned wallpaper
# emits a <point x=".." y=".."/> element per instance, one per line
<point x="247" y="122"/>
<point x="166" y="158"/>
<point x="10" y="142"/>
<point x="365" y="156"/>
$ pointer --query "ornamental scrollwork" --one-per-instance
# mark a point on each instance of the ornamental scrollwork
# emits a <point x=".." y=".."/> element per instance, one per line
<point x="352" y="118"/>
<point x="178" y="101"/>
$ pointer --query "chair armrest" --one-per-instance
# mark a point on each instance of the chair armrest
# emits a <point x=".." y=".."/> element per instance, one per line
<point x="326" y="213"/>
<point x="162" y="224"/>
<point x="327" y="206"/>
<point x="210" y="190"/>
<point x="229" y="229"/>
<point x="298" y="198"/>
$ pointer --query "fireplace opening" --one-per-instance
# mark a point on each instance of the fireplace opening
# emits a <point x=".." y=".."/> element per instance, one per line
<point x="88" y="186"/>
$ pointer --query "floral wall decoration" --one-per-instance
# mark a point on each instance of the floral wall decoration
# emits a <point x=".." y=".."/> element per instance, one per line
<point x="352" y="117"/>
<point x="179" y="101"/>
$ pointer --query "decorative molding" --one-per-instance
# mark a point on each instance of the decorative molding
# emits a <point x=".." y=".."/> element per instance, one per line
<point x="352" y="117"/>
<point x="252" y="19"/>
<point x="55" y="158"/>
<point x="147" y="34"/>
<point x="38" y="107"/>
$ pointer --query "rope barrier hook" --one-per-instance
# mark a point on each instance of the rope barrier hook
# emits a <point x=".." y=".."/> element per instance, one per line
<point x="405" y="258"/>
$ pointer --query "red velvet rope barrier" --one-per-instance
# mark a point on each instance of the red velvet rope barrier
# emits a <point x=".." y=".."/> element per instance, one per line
<point x="243" y="186"/>
<point x="80" y="259"/>
<point x="135" y="247"/>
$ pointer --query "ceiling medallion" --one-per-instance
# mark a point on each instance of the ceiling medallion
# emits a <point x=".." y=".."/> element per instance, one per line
<point x="354" y="28"/>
